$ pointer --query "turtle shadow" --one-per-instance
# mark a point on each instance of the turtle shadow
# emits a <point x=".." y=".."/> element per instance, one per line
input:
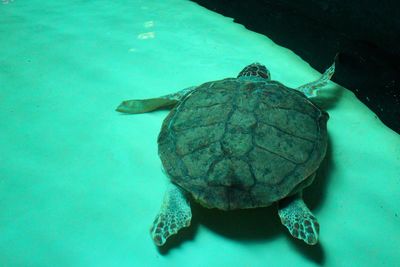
<point x="314" y="253"/>
<point x="328" y="99"/>
<point x="315" y="195"/>
<point x="248" y="225"/>
<point x="255" y="226"/>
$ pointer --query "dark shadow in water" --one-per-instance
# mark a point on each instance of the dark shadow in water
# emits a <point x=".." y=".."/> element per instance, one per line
<point x="252" y="225"/>
<point x="315" y="195"/>
<point x="313" y="253"/>
<point x="245" y="225"/>
<point x="328" y="98"/>
<point x="255" y="225"/>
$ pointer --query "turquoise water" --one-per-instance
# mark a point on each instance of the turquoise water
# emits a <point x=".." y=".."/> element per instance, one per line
<point x="81" y="184"/>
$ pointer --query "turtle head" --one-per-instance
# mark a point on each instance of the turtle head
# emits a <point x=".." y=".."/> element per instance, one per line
<point x="255" y="71"/>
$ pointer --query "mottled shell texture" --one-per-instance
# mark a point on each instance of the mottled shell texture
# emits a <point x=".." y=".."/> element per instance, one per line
<point x="240" y="144"/>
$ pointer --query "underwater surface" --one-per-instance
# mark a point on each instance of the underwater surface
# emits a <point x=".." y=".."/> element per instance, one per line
<point x="80" y="184"/>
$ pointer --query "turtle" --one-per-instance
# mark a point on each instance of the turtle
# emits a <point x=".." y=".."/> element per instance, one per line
<point x="239" y="143"/>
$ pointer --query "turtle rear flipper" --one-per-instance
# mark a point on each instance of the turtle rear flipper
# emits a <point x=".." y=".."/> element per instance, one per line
<point x="174" y="215"/>
<point x="298" y="219"/>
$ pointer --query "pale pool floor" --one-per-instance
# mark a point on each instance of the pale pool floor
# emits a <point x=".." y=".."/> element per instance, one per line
<point x="80" y="184"/>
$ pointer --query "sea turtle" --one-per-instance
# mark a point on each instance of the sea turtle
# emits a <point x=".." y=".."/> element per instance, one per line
<point x="239" y="143"/>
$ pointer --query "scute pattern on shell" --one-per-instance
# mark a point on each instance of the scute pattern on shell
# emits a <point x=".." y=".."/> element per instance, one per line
<point x="240" y="144"/>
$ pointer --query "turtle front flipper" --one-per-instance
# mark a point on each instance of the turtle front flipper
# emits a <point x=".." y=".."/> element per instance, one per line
<point x="136" y="106"/>
<point x="298" y="219"/>
<point x="310" y="89"/>
<point x="174" y="215"/>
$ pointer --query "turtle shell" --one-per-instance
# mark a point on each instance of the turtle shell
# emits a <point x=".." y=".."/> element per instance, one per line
<point x="241" y="144"/>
